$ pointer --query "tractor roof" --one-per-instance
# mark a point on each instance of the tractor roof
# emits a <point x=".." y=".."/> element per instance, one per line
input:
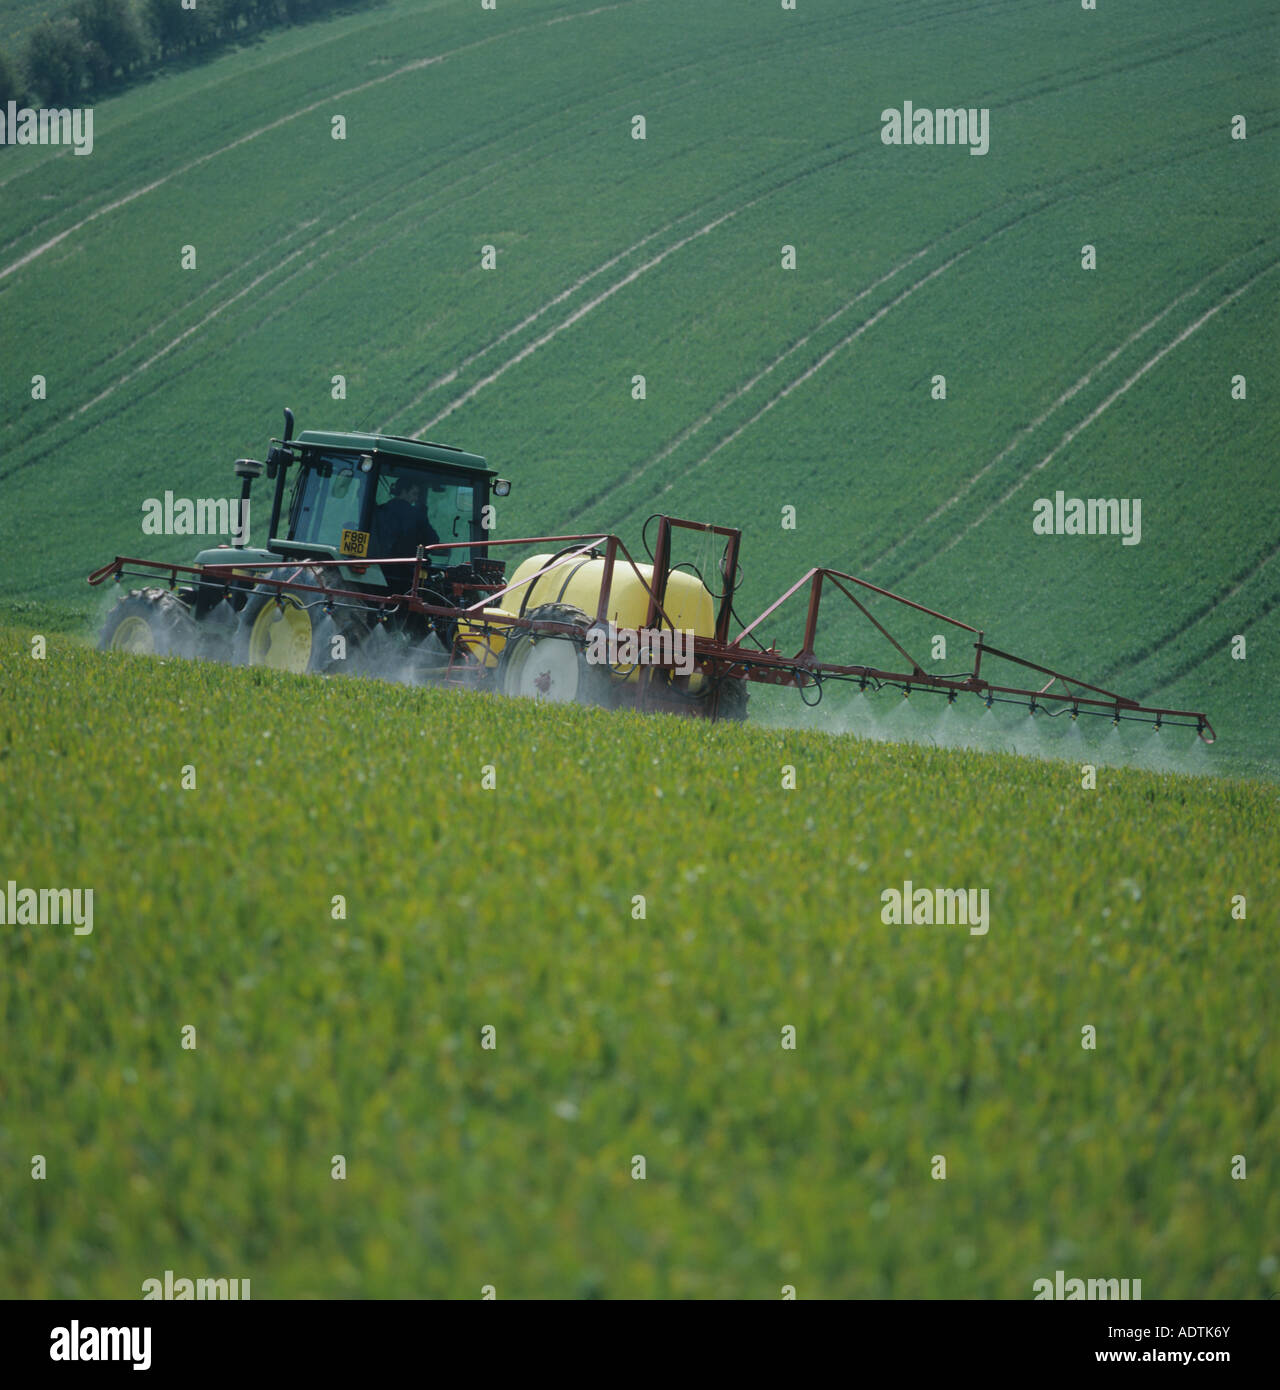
<point x="394" y="444"/>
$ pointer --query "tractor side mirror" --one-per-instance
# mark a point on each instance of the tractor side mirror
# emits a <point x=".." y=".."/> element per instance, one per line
<point x="278" y="458"/>
<point x="501" y="487"/>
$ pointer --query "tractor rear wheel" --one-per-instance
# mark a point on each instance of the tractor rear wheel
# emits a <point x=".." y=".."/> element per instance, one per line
<point x="552" y="665"/>
<point x="289" y="631"/>
<point x="151" y="622"/>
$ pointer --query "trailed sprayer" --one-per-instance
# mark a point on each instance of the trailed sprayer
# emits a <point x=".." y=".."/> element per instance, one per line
<point x="380" y="557"/>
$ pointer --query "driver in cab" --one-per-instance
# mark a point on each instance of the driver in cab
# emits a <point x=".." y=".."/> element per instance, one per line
<point x="402" y="525"/>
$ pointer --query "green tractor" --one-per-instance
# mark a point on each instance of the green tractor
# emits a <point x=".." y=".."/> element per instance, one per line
<point x="308" y="601"/>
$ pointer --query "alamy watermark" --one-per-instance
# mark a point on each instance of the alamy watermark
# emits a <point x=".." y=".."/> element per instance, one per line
<point x="76" y="1343"/>
<point x="923" y="907"/>
<point x="179" y="1289"/>
<point x="47" y="907"/>
<point x="948" y="125"/>
<point x="1088" y="516"/>
<point x="20" y="125"/>
<point x="643" y="646"/>
<point x="198" y="516"/>
<point x="1062" y="1287"/>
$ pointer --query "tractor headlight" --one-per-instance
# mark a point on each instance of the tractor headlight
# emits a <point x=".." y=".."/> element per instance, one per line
<point x="501" y="487"/>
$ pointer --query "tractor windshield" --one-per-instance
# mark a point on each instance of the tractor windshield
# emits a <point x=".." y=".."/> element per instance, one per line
<point x="370" y="506"/>
<point x="328" y="502"/>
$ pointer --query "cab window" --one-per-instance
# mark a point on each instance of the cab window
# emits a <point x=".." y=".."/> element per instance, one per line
<point x="422" y="506"/>
<point x="328" y="498"/>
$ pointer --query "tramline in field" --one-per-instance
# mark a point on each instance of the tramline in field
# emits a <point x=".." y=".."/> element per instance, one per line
<point x="384" y="565"/>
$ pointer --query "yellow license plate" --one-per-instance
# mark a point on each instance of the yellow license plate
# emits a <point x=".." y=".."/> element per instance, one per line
<point x="355" y="543"/>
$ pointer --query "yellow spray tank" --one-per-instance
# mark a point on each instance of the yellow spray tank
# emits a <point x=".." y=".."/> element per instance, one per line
<point x="577" y="581"/>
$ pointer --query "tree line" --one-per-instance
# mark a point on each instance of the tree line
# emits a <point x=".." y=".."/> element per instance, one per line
<point x="97" y="46"/>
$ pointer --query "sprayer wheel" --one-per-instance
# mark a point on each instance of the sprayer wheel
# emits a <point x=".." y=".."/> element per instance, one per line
<point x="733" y="699"/>
<point x="551" y="665"/>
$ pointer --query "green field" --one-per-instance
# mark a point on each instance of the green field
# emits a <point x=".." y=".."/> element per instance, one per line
<point x="616" y="1037"/>
<point x="662" y="257"/>
<point x="765" y="389"/>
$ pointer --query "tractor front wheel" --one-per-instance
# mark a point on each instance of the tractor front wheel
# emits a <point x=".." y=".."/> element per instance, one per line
<point x="150" y="622"/>
<point x="553" y="666"/>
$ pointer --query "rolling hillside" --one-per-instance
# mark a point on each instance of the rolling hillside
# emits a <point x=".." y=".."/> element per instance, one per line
<point x="765" y="387"/>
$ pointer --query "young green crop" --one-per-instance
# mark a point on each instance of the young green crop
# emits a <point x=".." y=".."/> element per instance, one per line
<point x="616" y="1036"/>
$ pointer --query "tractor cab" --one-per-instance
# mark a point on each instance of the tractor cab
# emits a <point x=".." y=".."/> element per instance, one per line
<point x="357" y="504"/>
<point x="373" y="497"/>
